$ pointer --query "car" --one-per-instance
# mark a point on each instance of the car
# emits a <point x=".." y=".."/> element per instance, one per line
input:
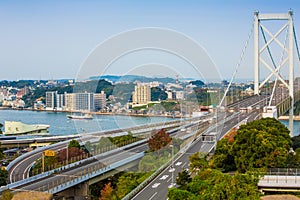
<point x="178" y="163"/>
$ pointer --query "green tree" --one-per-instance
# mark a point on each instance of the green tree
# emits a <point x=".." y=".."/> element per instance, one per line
<point x="212" y="184"/>
<point x="74" y="143"/>
<point x="223" y="157"/>
<point x="264" y="143"/>
<point x="3" y="177"/>
<point x="183" y="179"/>
<point x="179" y="194"/>
<point x="198" y="162"/>
<point x="6" y="195"/>
<point x="293" y="160"/>
<point x="1" y="126"/>
<point x="158" y="94"/>
<point x="296" y="142"/>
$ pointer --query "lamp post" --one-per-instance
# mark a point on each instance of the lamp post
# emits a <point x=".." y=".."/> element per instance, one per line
<point x="173" y="169"/>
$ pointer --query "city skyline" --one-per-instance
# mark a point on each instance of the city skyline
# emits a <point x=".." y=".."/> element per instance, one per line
<point x="51" y="40"/>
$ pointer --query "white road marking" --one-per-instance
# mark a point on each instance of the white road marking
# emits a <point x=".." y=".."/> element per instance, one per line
<point x="155" y="185"/>
<point x="153" y="196"/>
<point x="164" y="177"/>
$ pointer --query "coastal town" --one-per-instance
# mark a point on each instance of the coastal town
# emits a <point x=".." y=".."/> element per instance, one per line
<point x="157" y="96"/>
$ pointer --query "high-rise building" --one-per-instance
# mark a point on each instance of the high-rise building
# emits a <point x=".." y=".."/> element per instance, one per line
<point x="79" y="101"/>
<point x="99" y="100"/>
<point x="141" y="94"/>
<point x="51" y="100"/>
<point x="60" y="101"/>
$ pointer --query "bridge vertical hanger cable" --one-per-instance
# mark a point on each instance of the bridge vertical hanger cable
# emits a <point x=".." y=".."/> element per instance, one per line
<point x="238" y="65"/>
<point x="272" y="59"/>
<point x="296" y="42"/>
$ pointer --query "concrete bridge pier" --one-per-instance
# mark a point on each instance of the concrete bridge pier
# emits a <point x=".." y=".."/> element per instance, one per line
<point x="78" y="192"/>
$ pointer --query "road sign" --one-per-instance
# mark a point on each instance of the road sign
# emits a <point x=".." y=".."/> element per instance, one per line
<point x="49" y="153"/>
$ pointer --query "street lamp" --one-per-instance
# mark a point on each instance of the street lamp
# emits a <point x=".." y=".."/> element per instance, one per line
<point x="172" y="166"/>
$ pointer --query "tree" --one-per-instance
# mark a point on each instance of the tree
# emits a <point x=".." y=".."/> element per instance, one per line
<point x="74" y="143"/>
<point x="1" y="126"/>
<point x="223" y="157"/>
<point x="158" y="94"/>
<point x="198" y="162"/>
<point x="6" y="195"/>
<point x="213" y="184"/>
<point x="3" y="177"/>
<point x="183" y="179"/>
<point x="264" y="143"/>
<point x="296" y="142"/>
<point x="107" y="192"/>
<point x="159" y="139"/>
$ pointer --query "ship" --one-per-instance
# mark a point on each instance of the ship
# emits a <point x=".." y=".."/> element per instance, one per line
<point x="85" y="116"/>
<point x="19" y="128"/>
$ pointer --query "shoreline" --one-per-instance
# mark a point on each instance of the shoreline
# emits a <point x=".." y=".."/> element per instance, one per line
<point x="285" y="118"/>
<point x="93" y="113"/>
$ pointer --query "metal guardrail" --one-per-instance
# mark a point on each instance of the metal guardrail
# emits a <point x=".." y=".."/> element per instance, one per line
<point x="45" y="174"/>
<point x="18" y="159"/>
<point x="177" y="156"/>
<point x="79" y="179"/>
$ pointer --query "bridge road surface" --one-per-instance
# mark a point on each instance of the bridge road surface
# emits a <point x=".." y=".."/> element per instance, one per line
<point x="56" y="178"/>
<point x="21" y="169"/>
<point x="158" y="188"/>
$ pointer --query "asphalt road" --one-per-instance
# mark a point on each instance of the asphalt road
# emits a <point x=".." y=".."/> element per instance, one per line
<point x="158" y="188"/>
<point x="20" y="170"/>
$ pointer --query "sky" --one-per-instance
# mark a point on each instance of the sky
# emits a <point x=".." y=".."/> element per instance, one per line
<point x="53" y="39"/>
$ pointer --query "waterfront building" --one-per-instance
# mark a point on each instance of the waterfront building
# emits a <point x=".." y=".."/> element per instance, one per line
<point x="51" y="100"/>
<point x="180" y="95"/>
<point x="99" y="100"/>
<point x="79" y="101"/>
<point x="141" y="94"/>
<point x="60" y="101"/>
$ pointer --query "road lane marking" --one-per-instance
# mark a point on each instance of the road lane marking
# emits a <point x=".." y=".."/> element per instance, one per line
<point x="164" y="177"/>
<point x="153" y="196"/>
<point x="155" y="185"/>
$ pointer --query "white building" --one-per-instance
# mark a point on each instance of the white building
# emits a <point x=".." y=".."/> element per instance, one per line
<point x="51" y="100"/>
<point x="99" y="100"/>
<point x="79" y="101"/>
<point x="141" y="94"/>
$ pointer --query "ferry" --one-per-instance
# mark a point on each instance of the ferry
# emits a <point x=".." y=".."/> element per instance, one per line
<point x="19" y="128"/>
<point x="85" y="116"/>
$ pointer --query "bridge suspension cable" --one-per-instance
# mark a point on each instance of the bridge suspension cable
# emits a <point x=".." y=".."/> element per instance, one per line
<point x="238" y="65"/>
<point x="296" y="42"/>
<point x="273" y="62"/>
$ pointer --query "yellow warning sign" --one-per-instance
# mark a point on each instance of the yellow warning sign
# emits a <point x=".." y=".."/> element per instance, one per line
<point x="49" y="153"/>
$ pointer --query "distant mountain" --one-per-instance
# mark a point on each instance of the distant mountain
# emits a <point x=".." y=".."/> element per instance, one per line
<point x="133" y="78"/>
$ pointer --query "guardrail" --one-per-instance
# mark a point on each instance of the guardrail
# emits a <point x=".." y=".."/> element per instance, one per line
<point x="45" y="174"/>
<point x="76" y="179"/>
<point x="135" y="191"/>
<point x="38" y="150"/>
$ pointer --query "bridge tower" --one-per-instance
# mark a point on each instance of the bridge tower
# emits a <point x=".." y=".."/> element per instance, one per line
<point x="288" y="60"/>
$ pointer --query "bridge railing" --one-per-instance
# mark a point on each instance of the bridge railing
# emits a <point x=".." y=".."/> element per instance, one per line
<point x="283" y="172"/>
<point x="70" y="181"/>
<point x="18" y="159"/>
<point x="48" y="173"/>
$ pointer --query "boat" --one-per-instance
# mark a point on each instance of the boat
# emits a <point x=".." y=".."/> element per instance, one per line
<point x="85" y="116"/>
<point x="19" y="128"/>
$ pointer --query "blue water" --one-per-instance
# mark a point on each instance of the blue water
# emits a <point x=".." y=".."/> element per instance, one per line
<point x="61" y="125"/>
<point x="296" y="130"/>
